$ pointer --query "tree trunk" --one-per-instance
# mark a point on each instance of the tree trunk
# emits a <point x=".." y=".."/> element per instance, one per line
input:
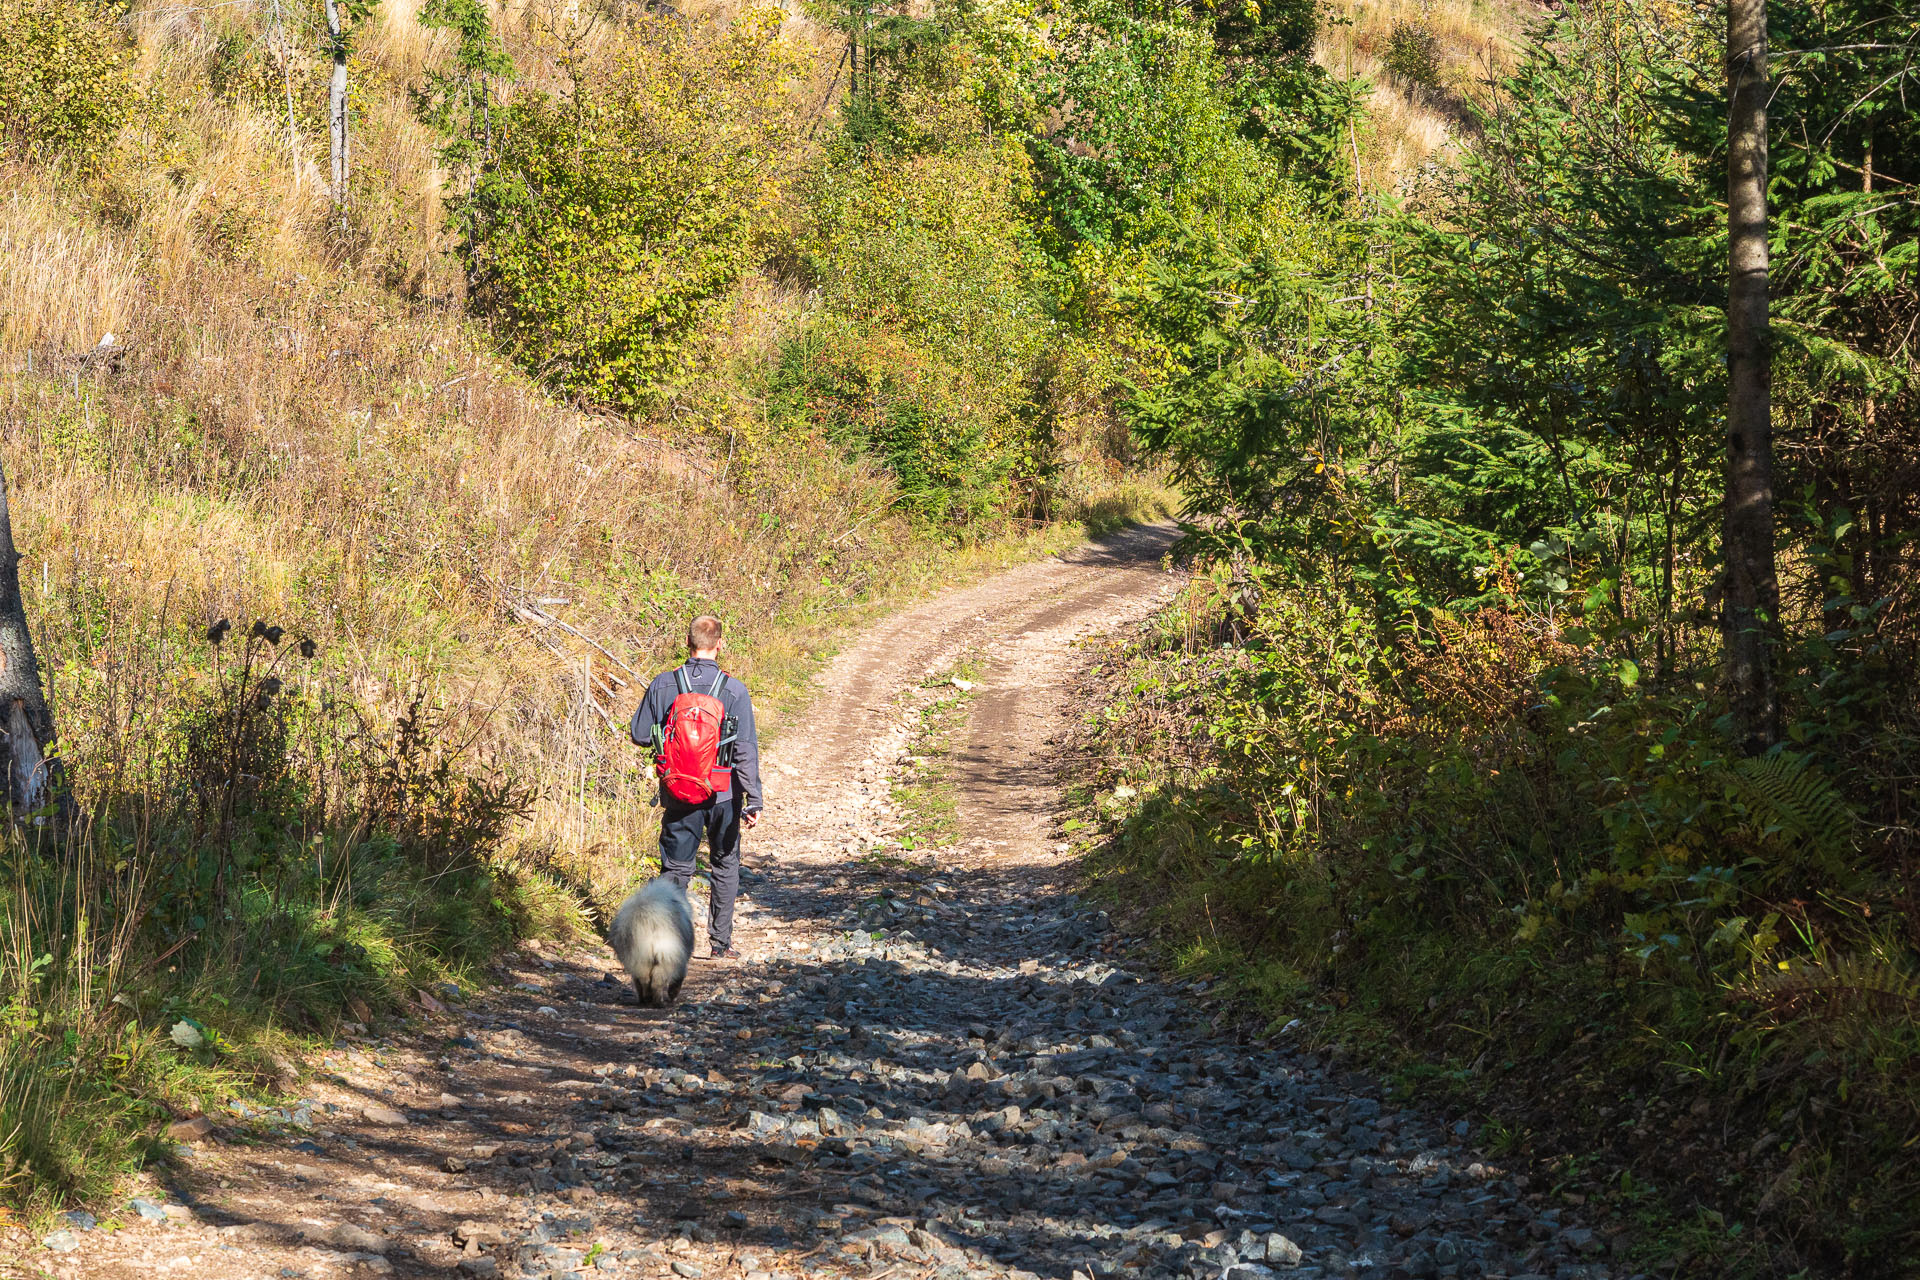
<point x="1753" y="590"/>
<point x="337" y="103"/>
<point x="26" y="726"/>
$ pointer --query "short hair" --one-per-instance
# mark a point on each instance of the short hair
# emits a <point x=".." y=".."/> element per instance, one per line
<point x="703" y="632"/>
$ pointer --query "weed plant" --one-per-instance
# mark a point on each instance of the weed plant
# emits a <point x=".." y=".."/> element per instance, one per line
<point x="247" y="860"/>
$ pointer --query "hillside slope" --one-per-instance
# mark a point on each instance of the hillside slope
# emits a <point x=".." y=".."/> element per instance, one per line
<point x="222" y="404"/>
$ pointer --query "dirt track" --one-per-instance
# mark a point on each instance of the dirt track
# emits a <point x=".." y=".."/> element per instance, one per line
<point x="930" y="1065"/>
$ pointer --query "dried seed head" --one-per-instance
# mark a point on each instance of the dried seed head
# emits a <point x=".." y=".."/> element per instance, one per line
<point x="273" y="634"/>
<point x="307" y="647"/>
<point x="218" y="631"/>
<point x="259" y="629"/>
<point x="270" y="686"/>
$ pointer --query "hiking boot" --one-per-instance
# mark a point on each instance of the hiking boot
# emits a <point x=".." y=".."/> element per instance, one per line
<point x="725" y="953"/>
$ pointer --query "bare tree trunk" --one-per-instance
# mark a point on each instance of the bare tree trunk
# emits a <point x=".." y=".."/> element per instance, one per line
<point x="26" y="726"/>
<point x="337" y="103"/>
<point x="1753" y="590"/>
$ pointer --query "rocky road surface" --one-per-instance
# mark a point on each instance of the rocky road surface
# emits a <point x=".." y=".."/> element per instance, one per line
<point x="931" y="1065"/>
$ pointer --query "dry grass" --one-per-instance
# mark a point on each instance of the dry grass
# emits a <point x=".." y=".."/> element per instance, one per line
<point x="398" y="45"/>
<point x="64" y="283"/>
<point x="1412" y="125"/>
<point x="287" y="436"/>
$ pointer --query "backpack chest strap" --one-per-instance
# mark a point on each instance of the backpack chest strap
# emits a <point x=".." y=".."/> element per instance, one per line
<point x="685" y="682"/>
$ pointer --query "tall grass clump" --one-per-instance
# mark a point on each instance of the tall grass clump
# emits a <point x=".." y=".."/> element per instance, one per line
<point x="248" y="859"/>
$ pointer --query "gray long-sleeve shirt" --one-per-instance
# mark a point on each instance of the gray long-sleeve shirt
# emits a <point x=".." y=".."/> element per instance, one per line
<point x="745" y="750"/>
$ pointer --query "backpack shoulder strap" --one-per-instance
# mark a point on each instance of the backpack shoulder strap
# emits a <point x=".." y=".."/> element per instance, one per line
<point x="680" y="679"/>
<point x="719" y="683"/>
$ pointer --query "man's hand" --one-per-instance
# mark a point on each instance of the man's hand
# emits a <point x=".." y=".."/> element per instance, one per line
<point x="750" y="819"/>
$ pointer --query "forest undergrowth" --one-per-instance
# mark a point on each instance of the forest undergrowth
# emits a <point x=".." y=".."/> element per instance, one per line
<point x="1439" y="761"/>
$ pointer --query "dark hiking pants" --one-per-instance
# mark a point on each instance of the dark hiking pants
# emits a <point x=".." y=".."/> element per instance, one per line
<point x="681" y="828"/>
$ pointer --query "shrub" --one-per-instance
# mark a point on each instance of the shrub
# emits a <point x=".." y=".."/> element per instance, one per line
<point x="931" y="327"/>
<point x="1413" y="54"/>
<point x="64" y="84"/>
<point x="611" y="219"/>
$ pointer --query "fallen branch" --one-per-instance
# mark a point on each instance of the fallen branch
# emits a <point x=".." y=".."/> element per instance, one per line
<point x="524" y="608"/>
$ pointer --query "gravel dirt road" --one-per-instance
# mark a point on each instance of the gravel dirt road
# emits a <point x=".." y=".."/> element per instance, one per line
<point x="933" y="1064"/>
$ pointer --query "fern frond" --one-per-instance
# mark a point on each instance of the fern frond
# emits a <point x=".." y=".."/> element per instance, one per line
<point x="1786" y="797"/>
<point x="1856" y="986"/>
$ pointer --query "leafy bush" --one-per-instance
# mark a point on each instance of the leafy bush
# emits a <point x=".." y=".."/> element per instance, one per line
<point x="610" y="220"/>
<point x="1413" y="54"/>
<point x="1144" y="144"/>
<point x="930" y="326"/>
<point x="64" y="78"/>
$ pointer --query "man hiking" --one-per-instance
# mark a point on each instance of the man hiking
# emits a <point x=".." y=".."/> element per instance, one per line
<point x="699" y="722"/>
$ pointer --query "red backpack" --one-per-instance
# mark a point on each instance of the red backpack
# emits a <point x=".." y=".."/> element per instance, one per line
<point x="687" y="746"/>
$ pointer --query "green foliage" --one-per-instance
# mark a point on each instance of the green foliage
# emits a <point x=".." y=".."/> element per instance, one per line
<point x="893" y="61"/>
<point x="459" y="101"/>
<point x="608" y="222"/>
<point x="264" y="763"/>
<point x="1531" y="865"/>
<point x="995" y="183"/>
<point x="65" y="83"/>
<point x="1263" y="355"/>
<point x="931" y="326"/>
<point x="998" y="191"/>
<point x="1535" y="388"/>
<point x="1452" y="708"/>
<point x="1250" y="30"/>
<point x="1787" y="798"/>
<point x="1413" y="53"/>
<point x="1147" y="146"/>
<point x="1302" y="115"/>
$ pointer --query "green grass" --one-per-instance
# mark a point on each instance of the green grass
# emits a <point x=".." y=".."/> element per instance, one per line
<point x="924" y="794"/>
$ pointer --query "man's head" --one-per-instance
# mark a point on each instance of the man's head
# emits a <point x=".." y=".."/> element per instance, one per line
<point x="703" y="635"/>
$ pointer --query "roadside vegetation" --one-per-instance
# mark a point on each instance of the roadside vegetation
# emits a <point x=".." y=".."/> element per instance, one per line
<point x="1445" y="755"/>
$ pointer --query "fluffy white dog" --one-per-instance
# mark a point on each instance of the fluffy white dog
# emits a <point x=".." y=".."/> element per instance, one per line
<point x="653" y="936"/>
